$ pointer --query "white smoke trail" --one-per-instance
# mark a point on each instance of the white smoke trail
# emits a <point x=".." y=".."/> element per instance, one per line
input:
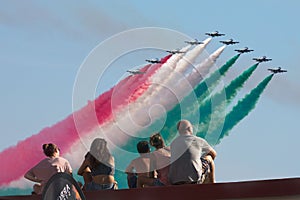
<point x="140" y="112"/>
<point x="164" y="71"/>
<point x="203" y="68"/>
<point x="181" y="67"/>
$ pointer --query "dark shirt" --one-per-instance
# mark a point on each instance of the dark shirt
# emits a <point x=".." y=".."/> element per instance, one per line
<point x="103" y="169"/>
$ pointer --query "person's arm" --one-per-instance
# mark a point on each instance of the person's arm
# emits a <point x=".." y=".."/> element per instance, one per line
<point x="212" y="153"/>
<point x="69" y="168"/>
<point x="208" y="150"/>
<point x="131" y="176"/>
<point x="30" y="176"/>
<point x="83" y="166"/>
<point x="131" y="180"/>
<point x="153" y="166"/>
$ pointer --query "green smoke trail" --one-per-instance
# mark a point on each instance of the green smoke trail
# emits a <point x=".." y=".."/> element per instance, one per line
<point x="220" y="100"/>
<point x="238" y="112"/>
<point x="232" y="89"/>
<point x="204" y="88"/>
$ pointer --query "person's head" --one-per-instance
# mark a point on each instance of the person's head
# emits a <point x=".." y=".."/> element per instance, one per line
<point x="143" y="147"/>
<point x="185" y="127"/>
<point x="50" y="150"/>
<point x="157" y="141"/>
<point x="99" y="150"/>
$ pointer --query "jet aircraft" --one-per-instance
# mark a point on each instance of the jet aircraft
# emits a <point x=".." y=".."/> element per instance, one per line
<point x="194" y="42"/>
<point x="244" y="50"/>
<point x="175" y="51"/>
<point x="215" y="34"/>
<point x="135" y="72"/>
<point x="262" y="59"/>
<point x="229" y="42"/>
<point x="278" y="70"/>
<point x="156" y="60"/>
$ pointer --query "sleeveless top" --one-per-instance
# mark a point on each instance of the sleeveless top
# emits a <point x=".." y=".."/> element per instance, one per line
<point x="103" y="169"/>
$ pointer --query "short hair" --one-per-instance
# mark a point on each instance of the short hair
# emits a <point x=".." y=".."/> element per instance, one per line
<point x="157" y="141"/>
<point x="178" y="125"/>
<point x="49" y="149"/>
<point x="143" y="147"/>
<point x="182" y="125"/>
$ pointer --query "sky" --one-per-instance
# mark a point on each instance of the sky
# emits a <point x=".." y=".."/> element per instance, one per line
<point x="45" y="43"/>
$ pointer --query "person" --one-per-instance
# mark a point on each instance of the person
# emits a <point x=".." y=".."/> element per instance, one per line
<point x="98" y="167"/>
<point x="47" y="167"/>
<point x="138" y="170"/>
<point x="160" y="160"/>
<point x="186" y="153"/>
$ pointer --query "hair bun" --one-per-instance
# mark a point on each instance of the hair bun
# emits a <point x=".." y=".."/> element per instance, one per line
<point x="45" y="146"/>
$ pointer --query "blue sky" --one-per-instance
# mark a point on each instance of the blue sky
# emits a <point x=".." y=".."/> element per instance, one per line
<point x="44" y="44"/>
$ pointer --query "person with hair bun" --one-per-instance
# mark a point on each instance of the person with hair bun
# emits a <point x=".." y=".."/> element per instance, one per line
<point x="47" y="167"/>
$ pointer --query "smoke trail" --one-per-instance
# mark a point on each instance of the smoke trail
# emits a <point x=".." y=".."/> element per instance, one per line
<point x="161" y="94"/>
<point x="66" y="132"/>
<point x="219" y="101"/>
<point x="238" y="112"/>
<point x="173" y="82"/>
<point x="163" y="74"/>
<point x="204" y="88"/>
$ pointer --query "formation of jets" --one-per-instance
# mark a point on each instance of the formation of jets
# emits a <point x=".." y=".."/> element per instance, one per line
<point x="262" y="59"/>
<point x="175" y="51"/>
<point x="229" y="42"/>
<point x="278" y="70"/>
<point x="226" y="42"/>
<point x="244" y="50"/>
<point x="194" y="42"/>
<point x="135" y="71"/>
<point x="215" y="34"/>
<point x="156" y="60"/>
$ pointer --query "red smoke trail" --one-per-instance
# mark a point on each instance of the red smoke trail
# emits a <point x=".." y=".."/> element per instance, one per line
<point x="16" y="160"/>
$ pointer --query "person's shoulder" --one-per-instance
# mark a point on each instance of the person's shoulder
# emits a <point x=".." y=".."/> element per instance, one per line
<point x="136" y="160"/>
<point x="201" y="140"/>
<point x="43" y="162"/>
<point x="61" y="159"/>
<point x="179" y="137"/>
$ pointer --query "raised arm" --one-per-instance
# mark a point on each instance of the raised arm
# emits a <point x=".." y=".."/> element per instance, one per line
<point x="84" y="165"/>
